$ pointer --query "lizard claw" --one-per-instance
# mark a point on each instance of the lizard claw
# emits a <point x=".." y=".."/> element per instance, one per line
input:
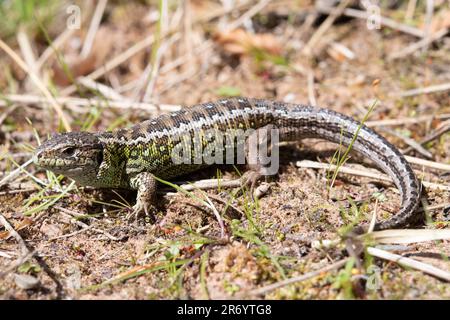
<point x="141" y="208"/>
<point x="249" y="179"/>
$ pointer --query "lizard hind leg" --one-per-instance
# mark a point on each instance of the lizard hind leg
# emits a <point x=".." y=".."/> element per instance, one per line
<point x="145" y="184"/>
<point x="260" y="152"/>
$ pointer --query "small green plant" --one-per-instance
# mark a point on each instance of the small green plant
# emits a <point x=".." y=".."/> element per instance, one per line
<point x="23" y="13"/>
<point x="343" y="280"/>
<point x="228" y="91"/>
<point x="338" y="159"/>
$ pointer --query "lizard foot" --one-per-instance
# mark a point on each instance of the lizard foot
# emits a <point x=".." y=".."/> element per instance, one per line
<point x="249" y="180"/>
<point x="142" y="208"/>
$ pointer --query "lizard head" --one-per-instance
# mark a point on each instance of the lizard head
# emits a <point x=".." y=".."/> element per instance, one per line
<point x="77" y="155"/>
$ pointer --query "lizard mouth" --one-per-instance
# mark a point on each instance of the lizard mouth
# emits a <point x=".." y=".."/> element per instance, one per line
<point x="60" y="165"/>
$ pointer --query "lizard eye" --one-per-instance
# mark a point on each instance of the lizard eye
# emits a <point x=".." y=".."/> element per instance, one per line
<point x="70" y="151"/>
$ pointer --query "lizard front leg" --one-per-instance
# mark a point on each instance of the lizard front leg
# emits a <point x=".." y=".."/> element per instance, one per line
<point x="145" y="184"/>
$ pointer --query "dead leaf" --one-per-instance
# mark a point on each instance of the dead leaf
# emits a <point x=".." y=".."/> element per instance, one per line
<point x="4" y="235"/>
<point x="241" y="42"/>
<point x="79" y="66"/>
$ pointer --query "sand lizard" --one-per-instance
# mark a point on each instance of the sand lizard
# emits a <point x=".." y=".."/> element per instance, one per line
<point x="131" y="157"/>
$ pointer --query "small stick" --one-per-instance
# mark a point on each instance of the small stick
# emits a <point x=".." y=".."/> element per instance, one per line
<point x="435" y="207"/>
<point x="155" y="68"/>
<point x="16" y="191"/>
<point x="226" y="203"/>
<point x="21" y="260"/>
<point x="6" y="113"/>
<point x="411" y="263"/>
<point x="114" y="62"/>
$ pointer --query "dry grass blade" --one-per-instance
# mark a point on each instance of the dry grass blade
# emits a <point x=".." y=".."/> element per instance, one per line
<point x="55" y="45"/>
<point x="334" y="14"/>
<point x="304" y="277"/>
<point x="15" y="172"/>
<point x="355" y="13"/>
<point x="95" y="23"/>
<point x="425" y="90"/>
<point x="428" y="163"/>
<point x="38" y="84"/>
<point x="411" y="263"/>
<point x="410" y="142"/>
<point x="311" y="94"/>
<point x="138" y="47"/>
<point x="410" y="9"/>
<point x="405" y="236"/>
<point x="420" y="44"/>
<point x="444" y="127"/>
<point x="217" y="215"/>
<point x="409" y="120"/>
<point x="119" y="104"/>
<point x="15" y="234"/>
<point x="363" y="173"/>
<point x="247" y="15"/>
<point x="27" y="51"/>
<point x="429" y="10"/>
<point x="106" y="91"/>
<point x="208" y="184"/>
